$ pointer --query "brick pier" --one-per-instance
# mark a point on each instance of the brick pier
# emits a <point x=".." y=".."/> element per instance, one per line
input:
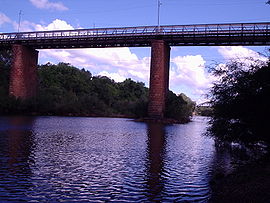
<point x="159" y="78"/>
<point x="23" y="75"/>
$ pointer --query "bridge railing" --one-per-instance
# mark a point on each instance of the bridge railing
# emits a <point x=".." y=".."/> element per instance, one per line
<point x="202" y="29"/>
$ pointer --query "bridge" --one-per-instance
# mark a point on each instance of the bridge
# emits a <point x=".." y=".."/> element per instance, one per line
<point x="23" y="78"/>
<point x="175" y="35"/>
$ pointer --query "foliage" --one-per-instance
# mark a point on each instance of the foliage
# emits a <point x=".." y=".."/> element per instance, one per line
<point x="204" y="110"/>
<point x="66" y="90"/>
<point x="5" y="56"/>
<point x="241" y="101"/>
<point x="179" y="107"/>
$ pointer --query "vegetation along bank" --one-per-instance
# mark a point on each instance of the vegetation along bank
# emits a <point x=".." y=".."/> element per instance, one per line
<point x="65" y="90"/>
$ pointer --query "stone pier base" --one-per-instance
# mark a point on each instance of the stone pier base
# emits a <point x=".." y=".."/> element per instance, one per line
<point x="159" y="78"/>
<point x="23" y="75"/>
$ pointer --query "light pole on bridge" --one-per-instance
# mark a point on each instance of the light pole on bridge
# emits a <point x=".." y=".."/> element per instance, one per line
<point x="19" y="22"/>
<point x="159" y="4"/>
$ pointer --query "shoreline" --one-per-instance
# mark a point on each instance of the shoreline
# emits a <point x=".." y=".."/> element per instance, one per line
<point x="249" y="183"/>
<point x="165" y="121"/>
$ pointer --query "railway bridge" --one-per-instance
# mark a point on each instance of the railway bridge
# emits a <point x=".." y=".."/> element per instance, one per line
<point x="24" y="45"/>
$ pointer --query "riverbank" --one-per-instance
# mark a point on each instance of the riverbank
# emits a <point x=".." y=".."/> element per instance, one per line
<point x="34" y="114"/>
<point x="250" y="183"/>
<point x="165" y="121"/>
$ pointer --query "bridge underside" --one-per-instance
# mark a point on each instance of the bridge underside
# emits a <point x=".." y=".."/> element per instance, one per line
<point x="143" y="41"/>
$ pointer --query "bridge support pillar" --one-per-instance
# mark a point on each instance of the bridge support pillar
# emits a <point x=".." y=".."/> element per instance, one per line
<point x="159" y="78"/>
<point x="23" y="75"/>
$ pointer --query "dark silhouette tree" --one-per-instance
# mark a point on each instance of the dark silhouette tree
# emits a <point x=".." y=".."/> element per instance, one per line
<point x="5" y="62"/>
<point x="240" y="100"/>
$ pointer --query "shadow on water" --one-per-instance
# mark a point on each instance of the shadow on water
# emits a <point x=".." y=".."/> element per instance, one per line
<point x="15" y="153"/>
<point x="155" y="158"/>
<point x="231" y="164"/>
<point x="189" y="178"/>
<point x="229" y="157"/>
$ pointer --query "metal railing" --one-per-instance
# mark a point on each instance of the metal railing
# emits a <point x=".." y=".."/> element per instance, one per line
<point x="202" y="29"/>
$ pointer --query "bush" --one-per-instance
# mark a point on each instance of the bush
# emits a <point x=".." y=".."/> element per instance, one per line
<point x="240" y="100"/>
<point x="66" y="90"/>
<point x="179" y="107"/>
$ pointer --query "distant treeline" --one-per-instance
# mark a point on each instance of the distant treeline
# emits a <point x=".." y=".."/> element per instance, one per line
<point x="68" y="91"/>
<point x="202" y="110"/>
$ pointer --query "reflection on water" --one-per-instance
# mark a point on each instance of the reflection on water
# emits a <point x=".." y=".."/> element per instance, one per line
<point x="105" y="159"/>
<point x="15" y="155"/>
<point x="155" y="164"/>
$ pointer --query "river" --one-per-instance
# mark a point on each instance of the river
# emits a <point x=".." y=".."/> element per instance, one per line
<point x="106" y="159"/>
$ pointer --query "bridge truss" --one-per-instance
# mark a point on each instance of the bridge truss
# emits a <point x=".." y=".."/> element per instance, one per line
<point x="248" y="34"/>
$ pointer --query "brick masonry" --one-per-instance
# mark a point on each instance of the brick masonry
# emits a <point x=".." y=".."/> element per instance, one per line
<point x="23" y="76"/>
<point x="159" y="78"/>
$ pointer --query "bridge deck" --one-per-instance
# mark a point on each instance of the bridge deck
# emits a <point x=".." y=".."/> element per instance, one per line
<point x="177" y="35"/>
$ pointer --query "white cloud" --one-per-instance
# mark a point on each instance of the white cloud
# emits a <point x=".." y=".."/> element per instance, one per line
<point x="239" y="53"/>
<point x="245" y="56"/>
<point x="45" y="4"/>
<point x="189" y="73"/>
<point x="27" y="26"/>
<point x="104" y="61"/>
<point x="120" y="61"/>
<point x="138" y="74"/>
<point x="190" y="70"/>
<point x="57" y="24"/>
<point x="4" y="19"/>
<point x="117" y="77"/>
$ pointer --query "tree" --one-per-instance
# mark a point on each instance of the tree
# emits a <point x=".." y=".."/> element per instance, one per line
<point x="5" y="57"/>
<point x="66" y="90"/>
<point x="5" y="62"/>
<point x="240" y="100"/>
<point x="179" y="107"/>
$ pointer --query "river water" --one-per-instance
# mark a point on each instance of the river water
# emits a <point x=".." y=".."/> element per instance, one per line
<point x="106" y="159"/>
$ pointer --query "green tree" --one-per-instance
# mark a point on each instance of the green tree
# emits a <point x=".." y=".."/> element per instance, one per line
<point x="132" y="98"/>
<point x="66" y="90"/>
<point x="240" y="100"/>
<point x="179" y="107"/>
<point x="5" y="62"/>
<point x="61" y="89"/>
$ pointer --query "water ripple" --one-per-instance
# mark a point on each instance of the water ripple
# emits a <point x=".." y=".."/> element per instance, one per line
<point x="100" y="159"/>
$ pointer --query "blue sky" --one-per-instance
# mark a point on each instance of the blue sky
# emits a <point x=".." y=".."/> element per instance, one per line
<point x="188" y="72"/>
